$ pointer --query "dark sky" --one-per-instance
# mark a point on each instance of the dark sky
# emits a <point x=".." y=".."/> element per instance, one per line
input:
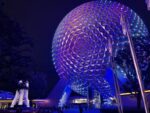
<point x="40" y="18"/>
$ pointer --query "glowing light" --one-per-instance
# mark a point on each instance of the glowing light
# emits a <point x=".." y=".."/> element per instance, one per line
<point x="79" y="101"/>
<point x="148" y="4"/>
<point x="80" y="48"/>
<point x="133" y="93"/>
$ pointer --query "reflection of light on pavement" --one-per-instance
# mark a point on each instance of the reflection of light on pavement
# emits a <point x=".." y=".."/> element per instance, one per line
<point x="41" y="100"/>
<point x="132" y="93"/>
<point x="5" y="103"/>
<point x="36" y="100"/>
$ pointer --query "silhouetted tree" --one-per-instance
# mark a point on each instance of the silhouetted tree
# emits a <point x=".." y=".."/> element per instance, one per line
<point x="15" y="53"/>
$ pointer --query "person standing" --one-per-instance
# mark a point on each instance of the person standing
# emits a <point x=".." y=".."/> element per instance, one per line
<point x="80" y="109"/>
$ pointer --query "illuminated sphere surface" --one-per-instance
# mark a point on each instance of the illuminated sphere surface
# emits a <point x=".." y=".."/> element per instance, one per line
<point x="80" y="46"/>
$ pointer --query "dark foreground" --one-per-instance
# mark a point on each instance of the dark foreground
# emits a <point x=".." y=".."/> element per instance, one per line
<point x="71" y="110"/>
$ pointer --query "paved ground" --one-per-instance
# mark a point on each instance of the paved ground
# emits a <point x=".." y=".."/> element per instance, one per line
<point x="68" y="111"/>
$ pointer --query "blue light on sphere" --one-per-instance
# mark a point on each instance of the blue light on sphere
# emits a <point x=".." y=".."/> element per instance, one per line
<point x="80" y="45"/>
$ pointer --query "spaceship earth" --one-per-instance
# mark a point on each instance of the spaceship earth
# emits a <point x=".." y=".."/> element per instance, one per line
<point x="80" y="48"/>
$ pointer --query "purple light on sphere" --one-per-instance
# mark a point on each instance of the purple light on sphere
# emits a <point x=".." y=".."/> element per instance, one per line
<point x="80" y="45"/>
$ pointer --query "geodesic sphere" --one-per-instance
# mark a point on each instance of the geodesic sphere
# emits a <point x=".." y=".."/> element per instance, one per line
<point x="80" y="44"/>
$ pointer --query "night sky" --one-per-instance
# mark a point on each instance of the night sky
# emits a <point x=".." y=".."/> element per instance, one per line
<point x="40" y="18"/>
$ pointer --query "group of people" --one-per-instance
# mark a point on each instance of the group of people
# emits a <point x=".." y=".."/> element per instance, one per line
<point x="21" y="96"/>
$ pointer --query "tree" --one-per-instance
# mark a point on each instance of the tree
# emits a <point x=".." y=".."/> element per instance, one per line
<point x="15" y="53"/>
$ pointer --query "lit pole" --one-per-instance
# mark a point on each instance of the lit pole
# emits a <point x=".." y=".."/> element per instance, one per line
<point x="126" y="32"/>
<point x="116" y="84"/>
<point x="88" y="98"/>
